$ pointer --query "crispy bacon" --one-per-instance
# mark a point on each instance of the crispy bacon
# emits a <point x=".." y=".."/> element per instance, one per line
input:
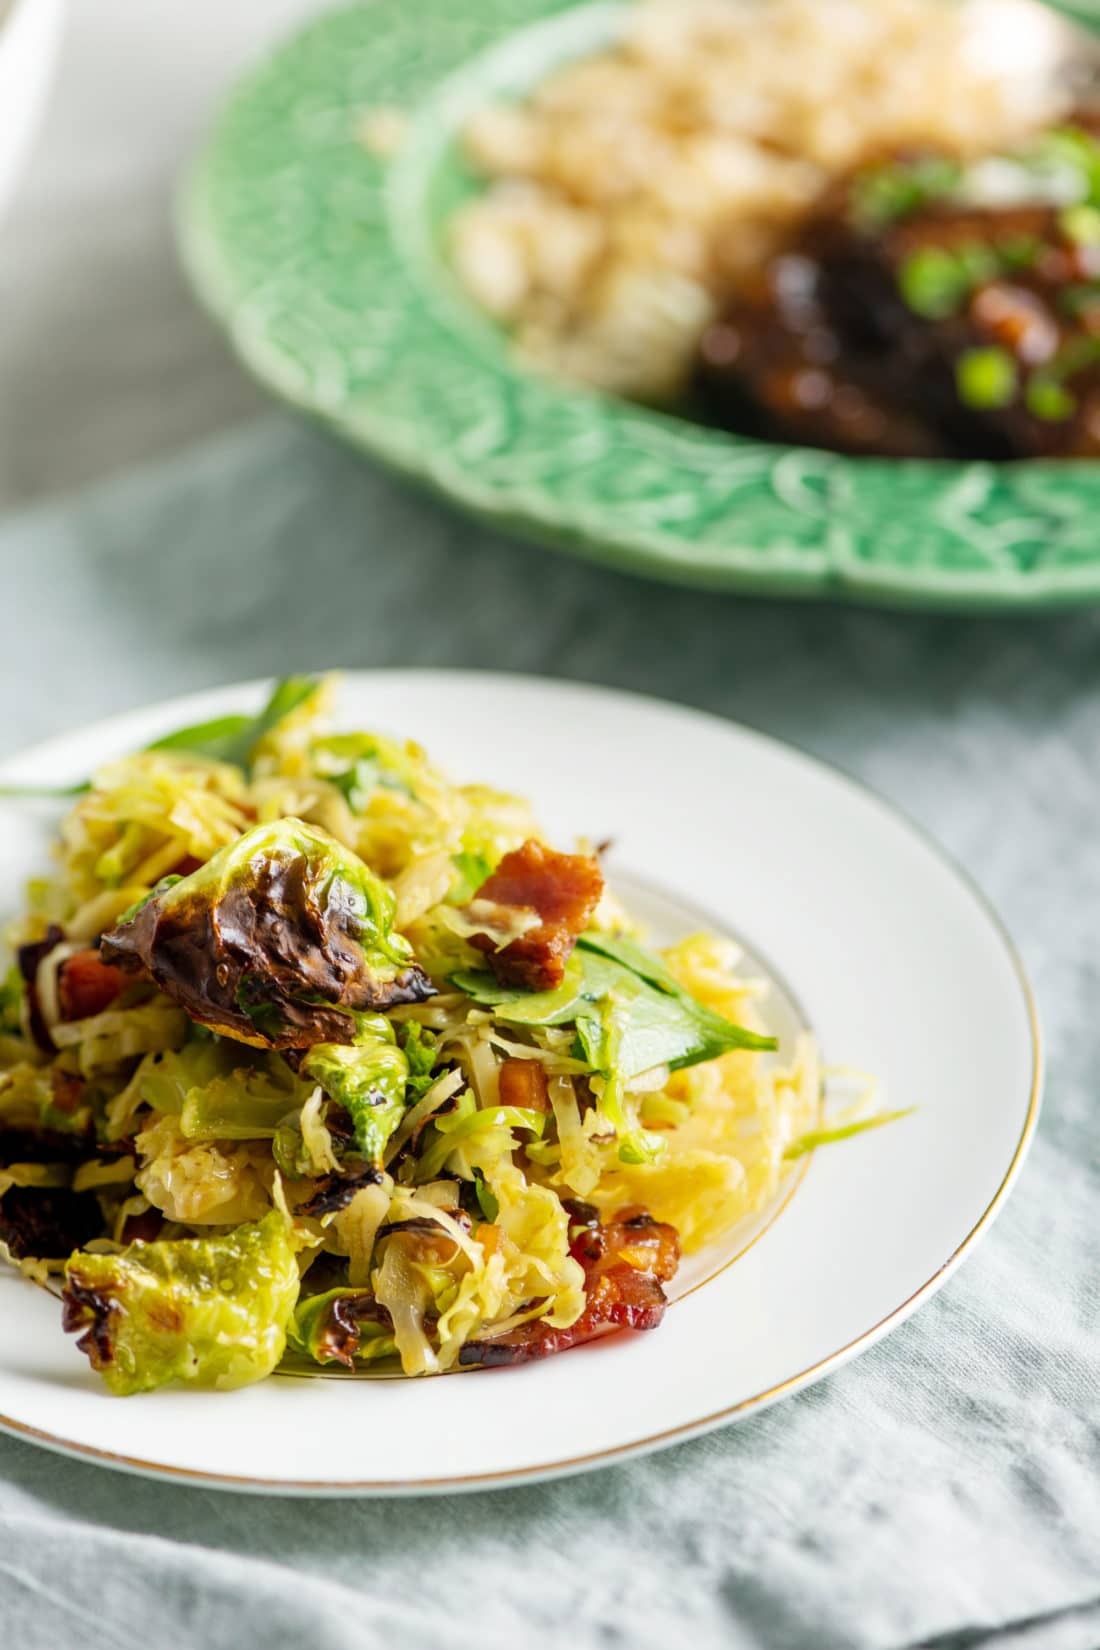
<point x="35" y="1145"/>
<point x="626" y="1260"/>
<point x="47" y="1223"/>
<point x="563" y="890"/>
<point x="143" y="1228"/>
<point x="523" y="1083"/>
<point x="87" y="985"/>
<point x="633" y="1238"/>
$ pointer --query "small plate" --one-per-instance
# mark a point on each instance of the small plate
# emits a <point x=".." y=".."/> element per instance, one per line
<point x="326" y="265"/>
<point x="868" y="934"/>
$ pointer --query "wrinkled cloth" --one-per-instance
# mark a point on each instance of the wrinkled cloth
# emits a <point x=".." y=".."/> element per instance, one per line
<point x="943" y="1491"/>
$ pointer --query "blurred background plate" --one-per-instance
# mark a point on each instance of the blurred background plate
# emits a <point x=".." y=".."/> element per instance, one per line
<point x="29" y="34"/>
<point x="325" y="263"/>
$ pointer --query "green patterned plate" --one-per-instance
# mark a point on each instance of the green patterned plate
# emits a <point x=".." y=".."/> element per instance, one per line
<point x="326" y="266"/>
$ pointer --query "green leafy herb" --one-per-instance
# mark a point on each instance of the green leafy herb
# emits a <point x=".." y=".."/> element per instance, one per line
<point x="986" y="378"/>
<point x="230" y="739"/>
<point x="825" y="1137"/>
<point x="233" y="739"/>
<point x="486" y="1202"/>
<point x="662" y="1024"/>
<point x="884" y="194"/>
<point x="527" y="1008"/>
<point x="659" y="1022"/>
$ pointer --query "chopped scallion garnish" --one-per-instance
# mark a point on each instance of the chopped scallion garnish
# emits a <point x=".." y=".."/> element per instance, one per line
<point x="844" y="1131"/>
<point x="986" y="378"/>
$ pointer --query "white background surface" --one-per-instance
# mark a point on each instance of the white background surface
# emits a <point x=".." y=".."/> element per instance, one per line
<point x="104" y="358"/>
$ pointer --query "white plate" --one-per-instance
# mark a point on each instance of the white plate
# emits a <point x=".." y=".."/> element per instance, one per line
<point x="895" y="960"/>
<point x="30" y="31"/>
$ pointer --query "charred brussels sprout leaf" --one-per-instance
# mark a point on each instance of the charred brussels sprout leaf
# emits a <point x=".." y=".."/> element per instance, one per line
<point x="368" y="1078"/>
<point x="208" y="1310"/>
<point x="340" y="1326"/>
<point x="278" y="940"/>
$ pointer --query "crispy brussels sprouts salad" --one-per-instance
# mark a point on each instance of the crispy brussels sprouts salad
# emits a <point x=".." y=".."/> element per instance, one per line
<point x="309" y="1054"/>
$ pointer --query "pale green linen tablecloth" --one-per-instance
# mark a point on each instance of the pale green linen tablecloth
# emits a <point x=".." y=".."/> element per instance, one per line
<point x="942" y="1491"/>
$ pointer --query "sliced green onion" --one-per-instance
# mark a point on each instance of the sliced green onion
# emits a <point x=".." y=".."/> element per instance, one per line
<point x="1018" y="251"/>
<point x="486" y="1201"/>
<point x="933" y="283"/>
<point x="844" y="1131"/>
<point x="1045" y="398"/>
<point x="986" y="378"/>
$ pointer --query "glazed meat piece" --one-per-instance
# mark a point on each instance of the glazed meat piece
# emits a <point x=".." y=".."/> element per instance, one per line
<point x="626" y="1260"/>
<point x="910" y="321"/>
<point x="776" y="366"/>
<point x="988" y="321"/>
<point x="560" y="892"/>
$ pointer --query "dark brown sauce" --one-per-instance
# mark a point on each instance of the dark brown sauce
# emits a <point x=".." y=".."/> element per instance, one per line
<point x="940" y="330"/>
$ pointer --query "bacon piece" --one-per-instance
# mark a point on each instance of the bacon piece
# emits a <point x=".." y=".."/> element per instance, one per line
<point x="523" y="1083"/>
<point x="633" y="1237"/>
<point x="35" y="1145"/>
<point x="626" y="1260"/>
<point x="47" y="1223"/>
<point x="143" y="1228"/>
<point x="563" y="889"/>
<point x="87" y="985"/>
